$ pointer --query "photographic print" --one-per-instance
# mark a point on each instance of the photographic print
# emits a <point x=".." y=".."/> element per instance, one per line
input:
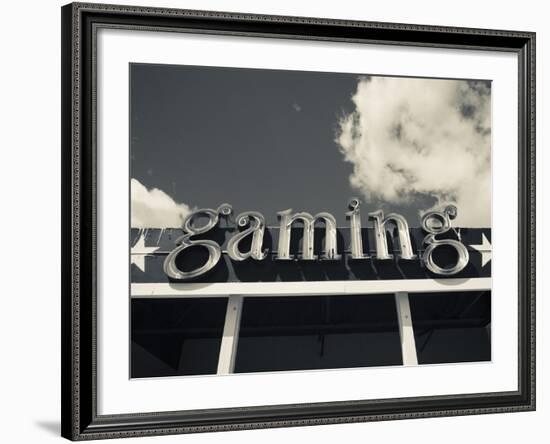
<point x="276" y="221"/>
<point x="295" y="220"/>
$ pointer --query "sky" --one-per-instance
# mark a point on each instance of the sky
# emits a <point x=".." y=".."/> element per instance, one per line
<point x="269" y="140"/>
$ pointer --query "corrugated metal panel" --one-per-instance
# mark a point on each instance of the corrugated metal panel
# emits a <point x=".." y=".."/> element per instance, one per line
<point x="147" y="266"/>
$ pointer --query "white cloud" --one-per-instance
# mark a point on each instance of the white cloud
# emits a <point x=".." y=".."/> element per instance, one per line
<point x="428" y="136"/>
<point x="154" y="208"/>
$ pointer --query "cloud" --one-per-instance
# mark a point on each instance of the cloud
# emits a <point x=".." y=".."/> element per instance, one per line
<point x="422" y="136"/>
<point x="154" y="208"/>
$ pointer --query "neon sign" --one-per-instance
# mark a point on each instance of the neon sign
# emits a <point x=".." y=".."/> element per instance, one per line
<point x="252" y="223"/>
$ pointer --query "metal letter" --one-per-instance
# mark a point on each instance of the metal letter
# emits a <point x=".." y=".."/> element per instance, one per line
<point x="286" y="220"/>
<point x="257" y="228"/>
<point x="436" y="223"/>
<point x="381" y="239"/>
<point x="214" y="250"/>
<point x="355" y="229"/>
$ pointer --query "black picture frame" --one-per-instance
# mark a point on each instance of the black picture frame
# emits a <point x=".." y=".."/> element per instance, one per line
<point x="79" y="209"/>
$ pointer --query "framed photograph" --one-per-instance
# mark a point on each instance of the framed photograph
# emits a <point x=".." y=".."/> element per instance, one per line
<point x="280" y="221"/>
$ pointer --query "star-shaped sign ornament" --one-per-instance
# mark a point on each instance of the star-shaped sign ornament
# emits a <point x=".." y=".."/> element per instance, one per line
<point x="139" y="251"/>
<point x="485" y="249"/>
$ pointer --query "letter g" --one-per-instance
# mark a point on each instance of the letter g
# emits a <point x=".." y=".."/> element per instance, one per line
<point x="436" y="223"/>
<point x="184" y="242"/>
